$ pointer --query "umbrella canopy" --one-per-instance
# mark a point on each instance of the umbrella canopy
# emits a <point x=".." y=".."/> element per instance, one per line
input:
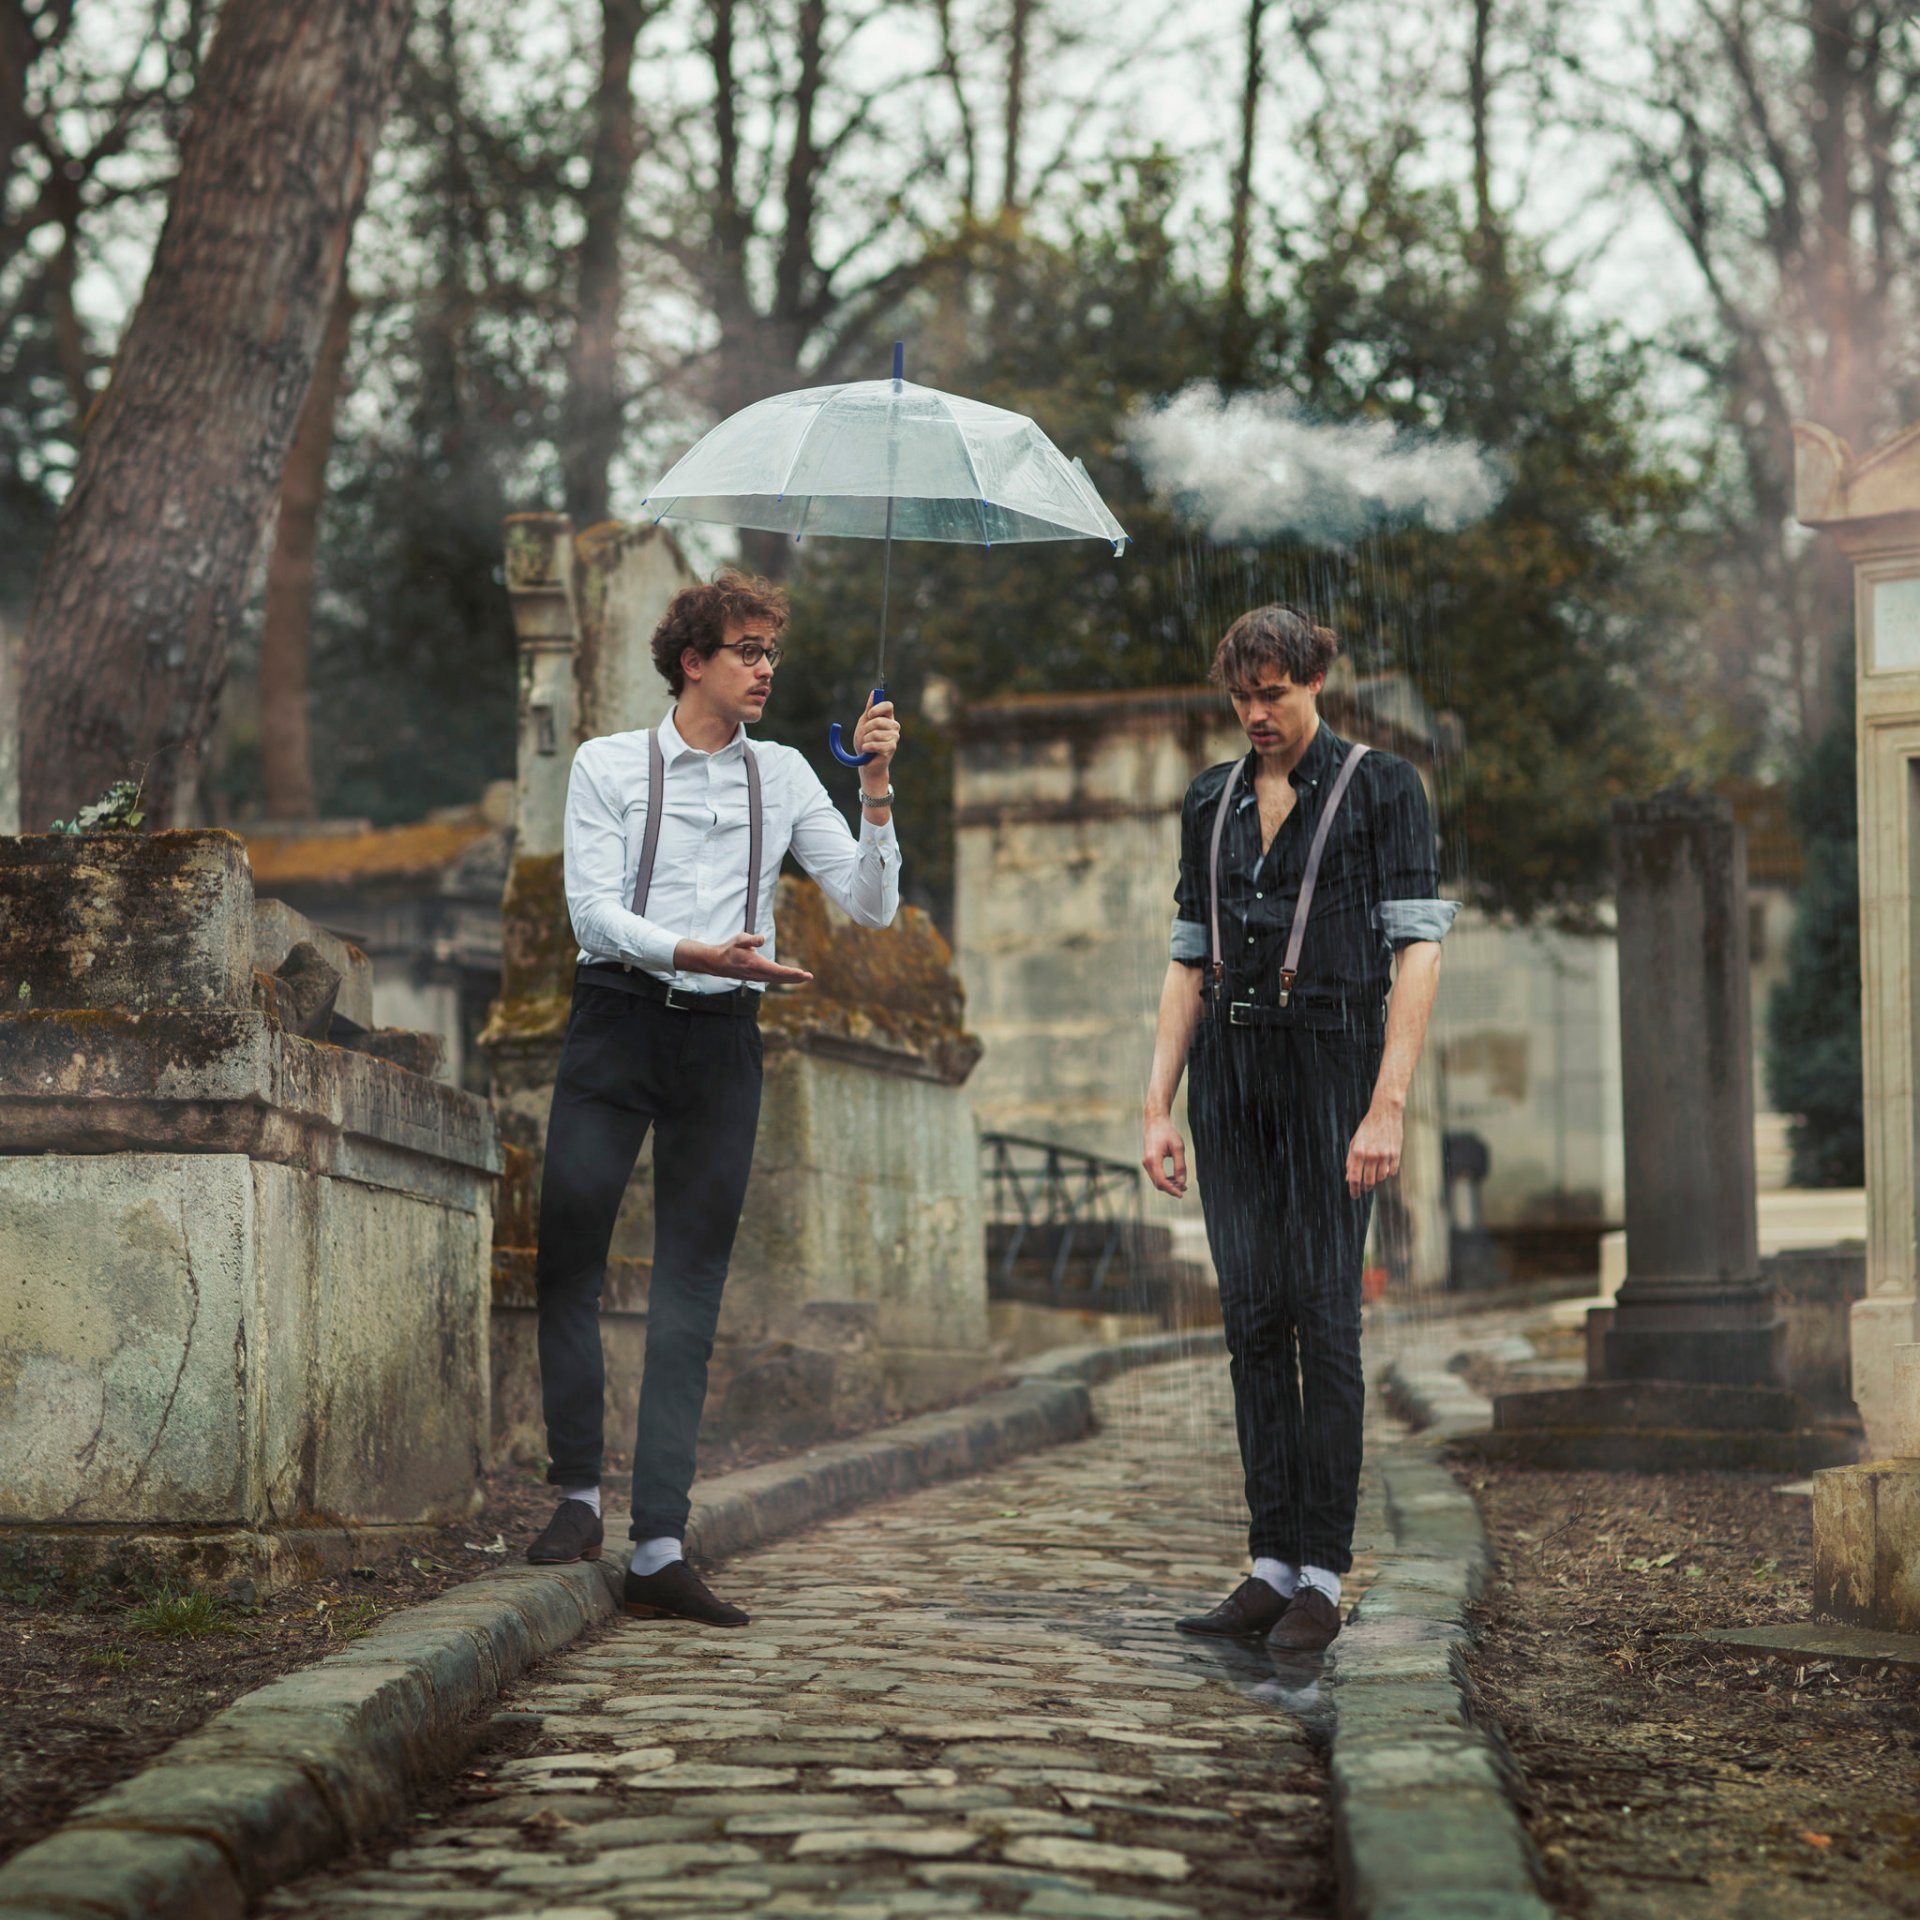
<point x="885" y="459"/>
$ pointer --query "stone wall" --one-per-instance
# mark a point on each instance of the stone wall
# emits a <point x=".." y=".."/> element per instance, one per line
<point x="242" y="1270"/>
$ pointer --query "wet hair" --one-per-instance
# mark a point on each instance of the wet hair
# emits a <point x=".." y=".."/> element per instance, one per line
<point x="699" y="616"/>
<point x="1277" y="636"/>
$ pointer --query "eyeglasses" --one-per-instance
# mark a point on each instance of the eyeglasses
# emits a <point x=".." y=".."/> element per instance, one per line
<point x="752" y="652"/>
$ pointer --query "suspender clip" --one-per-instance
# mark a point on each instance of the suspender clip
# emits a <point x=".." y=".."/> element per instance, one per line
<point x="1287" y="977"/>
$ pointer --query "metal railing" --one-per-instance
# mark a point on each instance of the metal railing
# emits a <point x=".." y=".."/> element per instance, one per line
<point x="1045" y="1199"/>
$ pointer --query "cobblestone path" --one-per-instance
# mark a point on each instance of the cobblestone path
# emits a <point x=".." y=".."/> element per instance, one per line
<point x="968" y="1700"/>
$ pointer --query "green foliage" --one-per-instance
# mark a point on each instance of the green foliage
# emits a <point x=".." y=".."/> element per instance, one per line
<point x="1550" y="627"/>
<point x="116" y="811"/>
<point x="1813" y="1017"/>
<point x="171" y="1614"/>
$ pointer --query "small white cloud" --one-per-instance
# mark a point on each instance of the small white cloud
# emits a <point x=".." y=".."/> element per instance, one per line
<point x="1254" y="466"/>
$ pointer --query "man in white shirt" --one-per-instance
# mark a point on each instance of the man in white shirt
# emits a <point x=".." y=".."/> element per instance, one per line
<point x="674" y="840"/>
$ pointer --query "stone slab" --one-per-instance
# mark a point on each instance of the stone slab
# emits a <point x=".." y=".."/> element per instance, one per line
<point x="278" y="929"/>
<point x="1824" y="1640"/>
<point x="1662" y="1450"/>
<point x="1653" y="1403"/>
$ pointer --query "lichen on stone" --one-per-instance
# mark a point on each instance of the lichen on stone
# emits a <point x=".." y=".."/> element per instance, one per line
<point x="892" y="989"/>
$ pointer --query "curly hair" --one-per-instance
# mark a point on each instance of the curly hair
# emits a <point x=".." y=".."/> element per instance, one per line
<point x="1278" y="636"/>
<point x="699" y="616"/>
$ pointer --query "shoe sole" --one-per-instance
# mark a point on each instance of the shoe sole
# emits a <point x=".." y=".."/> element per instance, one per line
<point x="1223" y="1633"/>
<point x="635" y="1611"/>
<point x="552" y="1560"/>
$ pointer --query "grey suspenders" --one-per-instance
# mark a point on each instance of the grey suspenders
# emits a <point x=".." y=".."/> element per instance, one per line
<point x="1290" y="969"/>
<point x="650" y="846"/>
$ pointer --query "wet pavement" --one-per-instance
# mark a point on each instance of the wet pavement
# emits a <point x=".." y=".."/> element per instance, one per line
<point x="968" y="1700"/>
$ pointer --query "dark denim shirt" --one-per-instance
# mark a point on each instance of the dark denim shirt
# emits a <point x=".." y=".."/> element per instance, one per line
<point x="1377" y="890"/>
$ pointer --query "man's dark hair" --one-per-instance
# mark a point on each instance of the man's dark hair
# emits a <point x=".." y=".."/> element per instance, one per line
<point x="699" y="616"/>
<point x="1277" y="636"/>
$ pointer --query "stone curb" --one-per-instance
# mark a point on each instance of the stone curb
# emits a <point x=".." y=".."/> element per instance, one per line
<point x="322" y="1761"/>
<point x="1424" y="1822"/>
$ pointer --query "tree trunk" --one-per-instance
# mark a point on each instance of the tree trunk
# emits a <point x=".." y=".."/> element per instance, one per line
<point x="1019" y="29"/>
<point x="285" y="752"/>
<point x="1234" y="350"/>
<point x="1489" y="241"/>
<point x="127" y="640"/>
<point x="593" y="403"/>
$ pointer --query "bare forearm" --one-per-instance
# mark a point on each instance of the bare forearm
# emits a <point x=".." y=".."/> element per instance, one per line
<point x="1173" y="1036"/>
<point x="1416" y="979"/>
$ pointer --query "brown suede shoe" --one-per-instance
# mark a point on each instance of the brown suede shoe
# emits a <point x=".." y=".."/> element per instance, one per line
<point x="676" y="1592"/>
<point x="1309" y="1624"/>
<point x="1251" y="1608"/>
<point x="574" y="1533"/>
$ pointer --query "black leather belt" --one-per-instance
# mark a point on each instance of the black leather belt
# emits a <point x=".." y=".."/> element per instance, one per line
<point x="1321" y="1016"/>
<point x="740" y="1004"/>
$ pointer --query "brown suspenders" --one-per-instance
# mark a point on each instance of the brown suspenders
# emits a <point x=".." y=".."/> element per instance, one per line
<point x="650" y="846"/>
<point x="1290" y="969"/>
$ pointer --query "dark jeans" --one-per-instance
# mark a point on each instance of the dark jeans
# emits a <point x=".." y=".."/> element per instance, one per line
<point x="1274" y="1110"/>
<point x="629" y="1064"/>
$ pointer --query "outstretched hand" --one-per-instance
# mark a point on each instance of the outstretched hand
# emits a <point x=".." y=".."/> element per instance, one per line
<point x="739" y="959"/>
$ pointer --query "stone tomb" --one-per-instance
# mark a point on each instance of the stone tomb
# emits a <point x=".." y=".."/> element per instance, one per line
<point x="243" y="1243"/>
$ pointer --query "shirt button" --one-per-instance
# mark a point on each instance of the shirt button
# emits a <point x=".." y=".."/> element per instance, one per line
<point x="1259" y="896"/>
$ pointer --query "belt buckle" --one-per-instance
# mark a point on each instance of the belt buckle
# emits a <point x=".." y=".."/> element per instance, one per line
<point x="682" y="998"/>
<point x="1237" y="1012"/>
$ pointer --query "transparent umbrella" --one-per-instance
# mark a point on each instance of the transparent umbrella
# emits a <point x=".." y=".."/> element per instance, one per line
<point x="880" y="460"/>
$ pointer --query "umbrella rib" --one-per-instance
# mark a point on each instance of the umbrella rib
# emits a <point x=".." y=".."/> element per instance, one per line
<point x="979" y="498"/>
<point x="799" y="446"/>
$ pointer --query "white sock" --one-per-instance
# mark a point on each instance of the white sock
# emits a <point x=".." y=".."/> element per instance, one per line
<point x="587" y="1496"/>
<point x="649" y="1556"/>
<point x="1279" y="1575"/>
<point x="1328" y="1583"/>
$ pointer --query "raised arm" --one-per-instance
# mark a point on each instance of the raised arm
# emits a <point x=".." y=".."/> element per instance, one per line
<point x="862" y="877"/>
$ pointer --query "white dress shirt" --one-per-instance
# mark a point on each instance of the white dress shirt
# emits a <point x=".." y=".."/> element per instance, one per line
<point x="699" y="889"/>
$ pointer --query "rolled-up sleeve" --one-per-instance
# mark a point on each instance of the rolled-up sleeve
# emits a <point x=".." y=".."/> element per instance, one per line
<point x="862" y="877"/>
<point x="1410" y="908"/>
<point x="594" y="851"/>
<point x="1188" y="944"/>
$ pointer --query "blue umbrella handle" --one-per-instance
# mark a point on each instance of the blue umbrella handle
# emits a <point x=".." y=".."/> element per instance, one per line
<point x="840" y="753"/>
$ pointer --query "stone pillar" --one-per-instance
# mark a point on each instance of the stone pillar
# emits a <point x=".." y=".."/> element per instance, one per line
<point x="1687" y="1369"/>
<point x="1693" y="1306"/>
<point x="1867" y="1519"/>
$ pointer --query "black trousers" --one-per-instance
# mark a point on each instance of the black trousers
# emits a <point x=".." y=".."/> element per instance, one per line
<point x="628" y="1064"/>
<point x="1274" y="1110"/>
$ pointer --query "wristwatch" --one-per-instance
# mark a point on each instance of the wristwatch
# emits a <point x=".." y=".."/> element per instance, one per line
<point x="877" y="800"/>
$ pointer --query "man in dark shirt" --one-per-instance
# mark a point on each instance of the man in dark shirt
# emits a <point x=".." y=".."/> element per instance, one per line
<point x="1300" y="1073"/>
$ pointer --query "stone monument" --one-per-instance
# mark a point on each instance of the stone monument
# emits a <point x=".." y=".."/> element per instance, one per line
<point x="1867" y="1517"/>
<point x="1687" y="1366"/>
<point x="243" y="1233"/>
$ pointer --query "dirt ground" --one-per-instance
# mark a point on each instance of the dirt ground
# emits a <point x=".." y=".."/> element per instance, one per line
<point x="94" y="1683"/>
<point x="1665" y="1776"/>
